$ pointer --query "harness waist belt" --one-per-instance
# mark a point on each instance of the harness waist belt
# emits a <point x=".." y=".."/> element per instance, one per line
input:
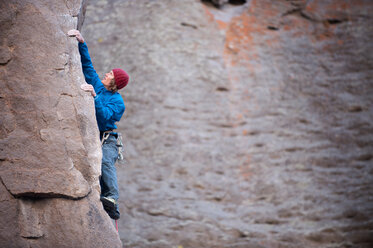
<point x="110" y="132"/>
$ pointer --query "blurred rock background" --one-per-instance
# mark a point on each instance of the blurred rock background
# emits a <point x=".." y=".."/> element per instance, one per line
<point x="247" y="123"/>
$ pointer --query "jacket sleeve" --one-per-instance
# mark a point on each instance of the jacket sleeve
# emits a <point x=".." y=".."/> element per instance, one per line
<point x="112" y="110"/>
<point x="89" y="72"/>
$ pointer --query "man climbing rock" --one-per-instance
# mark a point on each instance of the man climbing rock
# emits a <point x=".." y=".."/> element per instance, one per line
<point x="109" y="107"/>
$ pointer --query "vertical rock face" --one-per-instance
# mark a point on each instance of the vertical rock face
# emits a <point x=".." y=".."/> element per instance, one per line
<point x="49" y="148"/>
<point x="246" y="126"/>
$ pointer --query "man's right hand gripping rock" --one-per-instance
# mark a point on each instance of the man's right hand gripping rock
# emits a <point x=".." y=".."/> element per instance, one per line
<point x="75" y="33"/>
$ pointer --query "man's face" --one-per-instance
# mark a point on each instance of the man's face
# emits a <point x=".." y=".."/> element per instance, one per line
<point x="107" y="79"/>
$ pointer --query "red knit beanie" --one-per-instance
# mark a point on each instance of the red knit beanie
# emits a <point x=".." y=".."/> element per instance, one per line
<point x="121" y="78"/>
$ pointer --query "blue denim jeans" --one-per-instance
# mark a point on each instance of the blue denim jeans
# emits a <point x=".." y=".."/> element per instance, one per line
<point x="108" y="179"/>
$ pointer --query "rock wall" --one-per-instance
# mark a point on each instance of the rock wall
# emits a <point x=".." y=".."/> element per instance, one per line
<point x="246" y="126"/>
<point x="49" y="148"/>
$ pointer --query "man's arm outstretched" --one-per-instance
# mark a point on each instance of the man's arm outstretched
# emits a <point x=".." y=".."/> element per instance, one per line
<point x="89" y="72"/>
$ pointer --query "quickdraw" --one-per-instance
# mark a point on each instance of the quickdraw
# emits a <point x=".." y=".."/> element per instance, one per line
<point x="120" y="147"/>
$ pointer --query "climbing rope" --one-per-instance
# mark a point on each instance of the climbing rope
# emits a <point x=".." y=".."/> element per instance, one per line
<point x="116" y="225"/>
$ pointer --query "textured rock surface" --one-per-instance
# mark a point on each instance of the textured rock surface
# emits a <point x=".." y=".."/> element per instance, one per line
<point x="248" y="126"/>
<point x="49" y="148"/>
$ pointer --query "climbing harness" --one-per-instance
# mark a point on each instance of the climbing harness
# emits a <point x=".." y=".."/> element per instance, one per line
<point x="105" y="136"/>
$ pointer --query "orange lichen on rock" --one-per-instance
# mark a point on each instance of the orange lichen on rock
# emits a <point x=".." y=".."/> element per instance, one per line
<point x="245" y="33"/>
<point x="248" y="32"/>
<point x="222" y="25"/>
<point x="209" y="15"/>
<point x="240" y="43"/>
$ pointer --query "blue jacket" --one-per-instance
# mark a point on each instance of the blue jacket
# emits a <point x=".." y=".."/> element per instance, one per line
<point x="109" y="106"/>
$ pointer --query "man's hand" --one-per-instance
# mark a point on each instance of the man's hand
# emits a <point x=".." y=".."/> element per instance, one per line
<point x="88" y="88"/>
<point x="75" y="33"/>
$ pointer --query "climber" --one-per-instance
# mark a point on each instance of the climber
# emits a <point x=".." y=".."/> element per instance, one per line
<point x="109" y="107"/>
